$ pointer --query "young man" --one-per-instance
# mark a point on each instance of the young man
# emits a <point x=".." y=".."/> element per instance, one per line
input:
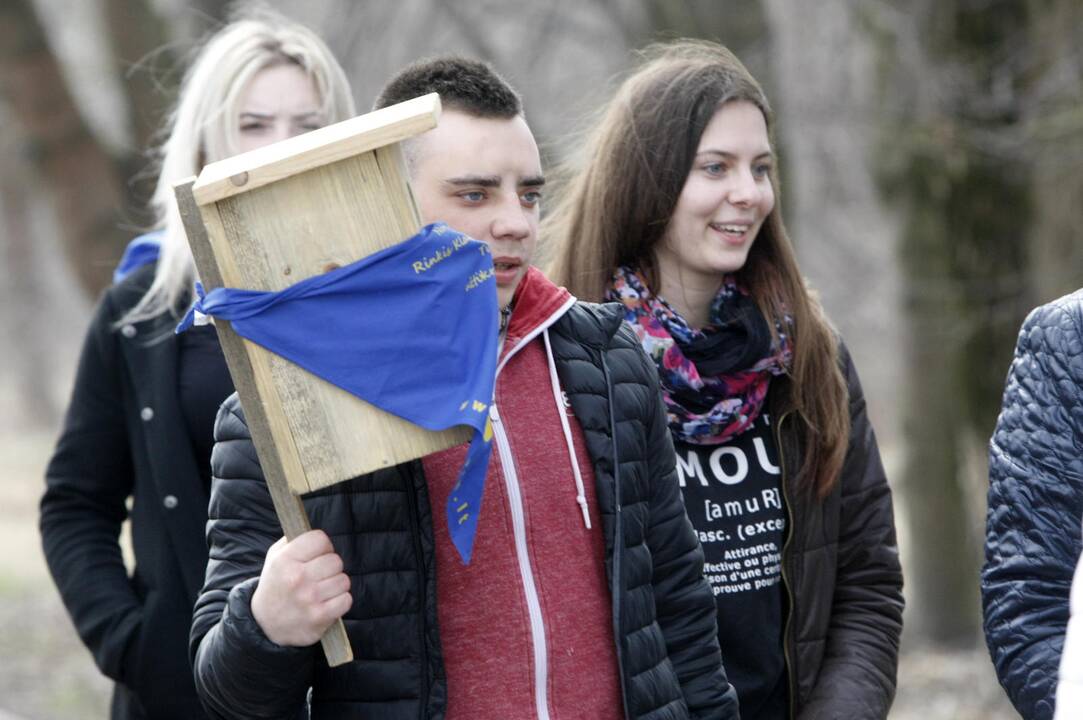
<point x="553" y="617"/>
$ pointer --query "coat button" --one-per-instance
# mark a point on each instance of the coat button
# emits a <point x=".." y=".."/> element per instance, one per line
<point x="128" y="331"/>
<point x="170" y="502"/>
<point x="147" y="414"/>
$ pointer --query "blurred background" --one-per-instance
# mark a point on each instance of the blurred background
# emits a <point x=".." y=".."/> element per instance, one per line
<point x="930" y="153"/>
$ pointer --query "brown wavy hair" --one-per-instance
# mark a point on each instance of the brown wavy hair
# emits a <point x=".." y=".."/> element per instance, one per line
<point x="614" y="206"/>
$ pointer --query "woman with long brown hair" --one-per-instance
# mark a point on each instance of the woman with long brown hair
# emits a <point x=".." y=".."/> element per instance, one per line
<point x="674" y="213"/>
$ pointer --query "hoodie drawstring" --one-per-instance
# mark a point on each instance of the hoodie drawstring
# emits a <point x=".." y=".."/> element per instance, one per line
<point x="580" y="493"/>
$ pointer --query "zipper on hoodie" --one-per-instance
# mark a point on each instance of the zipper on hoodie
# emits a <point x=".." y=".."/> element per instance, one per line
<point x="518" y="525"/>
<point x="790" y="675"/>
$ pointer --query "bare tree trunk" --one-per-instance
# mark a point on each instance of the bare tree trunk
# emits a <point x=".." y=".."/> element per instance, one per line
<point x="65" y="205"/>
<point x="139" y="39"/>
<point x="950" y="162"/>
<point x="22" y="320"/>
<point x="79" y="173"/>
<point x="846" y="241"/>
<point x="1054" y="118"/>
<point x="942" y="557"/>
<point x="42" y="309"/>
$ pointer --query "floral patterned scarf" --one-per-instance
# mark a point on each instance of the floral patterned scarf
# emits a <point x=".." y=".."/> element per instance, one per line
<point x="714" y="380"/>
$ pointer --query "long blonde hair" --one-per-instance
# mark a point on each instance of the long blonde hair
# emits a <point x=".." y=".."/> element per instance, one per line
<point x="203" y="127"/>
<point x="616" y="205"/>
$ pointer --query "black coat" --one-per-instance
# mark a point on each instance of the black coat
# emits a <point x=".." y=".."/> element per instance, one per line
<point x="381" y="525"/>
<point x="1032" y="536"/>
<point x="841" y="569"/>
<point x="124" y="439"/>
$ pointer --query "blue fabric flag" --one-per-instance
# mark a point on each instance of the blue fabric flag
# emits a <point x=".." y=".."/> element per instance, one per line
<point x="412" y="329"/>
<point x="141" y="251"/>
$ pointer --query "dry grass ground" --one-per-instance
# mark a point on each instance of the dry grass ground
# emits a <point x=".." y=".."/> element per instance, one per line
<point x="46" y="674"/>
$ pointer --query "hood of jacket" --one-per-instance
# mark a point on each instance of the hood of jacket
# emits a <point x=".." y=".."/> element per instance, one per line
<point x="537" y="303"/>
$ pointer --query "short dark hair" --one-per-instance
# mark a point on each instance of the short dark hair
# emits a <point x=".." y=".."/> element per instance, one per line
<point x="470" y="86"/>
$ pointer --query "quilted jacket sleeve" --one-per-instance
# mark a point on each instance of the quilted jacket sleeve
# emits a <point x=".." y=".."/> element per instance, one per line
<point x="1070" y="683"/>
<point x="239" y="672"/>
<point x="857" y="678"/>
<point x="1035" y="502"/>
<point x="685" y="605"/>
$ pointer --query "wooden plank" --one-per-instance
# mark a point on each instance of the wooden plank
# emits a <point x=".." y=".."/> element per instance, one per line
<point x="288" y="506"/>
<point x="254" y="169"/>
<point x="270" y="238"/>
<point x="257" y="366"/>
<point x="392" y="164"/>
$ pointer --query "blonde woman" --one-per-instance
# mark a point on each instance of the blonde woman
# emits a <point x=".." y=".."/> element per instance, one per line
<point x="137" y="437"/>
<point x="674" y="214"/>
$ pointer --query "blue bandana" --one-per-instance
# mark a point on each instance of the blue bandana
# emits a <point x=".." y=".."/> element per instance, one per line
<point x="383" y="328"/>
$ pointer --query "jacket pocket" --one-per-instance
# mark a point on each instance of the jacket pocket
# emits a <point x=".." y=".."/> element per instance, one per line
<point x="136" y="661"/>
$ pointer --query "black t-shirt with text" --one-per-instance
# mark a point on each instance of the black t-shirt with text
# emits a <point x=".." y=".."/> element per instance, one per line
<point x="733" y="496"/>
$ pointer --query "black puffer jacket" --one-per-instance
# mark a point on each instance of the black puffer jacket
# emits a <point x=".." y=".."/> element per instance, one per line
<point x="841" y="569"/>
<point x="381" y="525"/>
<point x="1032" y="536"/>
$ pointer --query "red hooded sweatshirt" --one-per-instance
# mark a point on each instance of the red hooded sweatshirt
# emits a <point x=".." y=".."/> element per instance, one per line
<point x="526" y="628"/>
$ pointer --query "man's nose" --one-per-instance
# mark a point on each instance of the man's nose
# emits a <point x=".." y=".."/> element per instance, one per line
<point x="512" y="221"/>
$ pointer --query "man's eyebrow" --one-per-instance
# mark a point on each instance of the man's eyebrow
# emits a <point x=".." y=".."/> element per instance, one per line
<point x="532" y="181"/>
<point x="488" y="181"/>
